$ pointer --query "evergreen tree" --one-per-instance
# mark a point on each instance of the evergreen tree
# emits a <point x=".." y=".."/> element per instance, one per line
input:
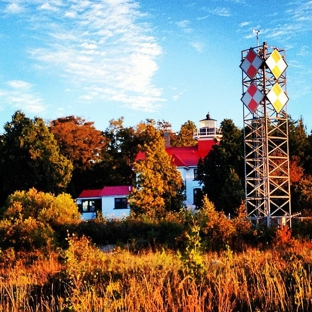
<point x="30" y="157"/>
<point x="298" y="140"/>
<point x="222" y="170"/>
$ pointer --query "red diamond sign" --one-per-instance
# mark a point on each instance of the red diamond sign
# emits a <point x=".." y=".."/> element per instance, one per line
<point x="252" y="98"/>
<point x="251" y="63"/>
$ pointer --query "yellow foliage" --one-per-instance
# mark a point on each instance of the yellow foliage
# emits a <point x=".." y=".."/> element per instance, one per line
<point x="42" y="206"/>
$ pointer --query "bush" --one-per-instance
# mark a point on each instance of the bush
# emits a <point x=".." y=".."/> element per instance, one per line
<point x="44" y="207"/>
<point x="26" y="234"/>
<point x="31" y="218"/>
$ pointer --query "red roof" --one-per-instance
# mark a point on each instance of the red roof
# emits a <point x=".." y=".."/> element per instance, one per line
<point x="106" y="191"/>
<point x="116" y="190"/>
<point x="90" y="193"/>
<point x="186" y="156"/>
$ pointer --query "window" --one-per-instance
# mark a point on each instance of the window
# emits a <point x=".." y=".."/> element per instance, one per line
<point x="197" y="197"/>
<point x="90" y="205"/>
<point x="196" y="175"/>
<point x="121" y="203"/>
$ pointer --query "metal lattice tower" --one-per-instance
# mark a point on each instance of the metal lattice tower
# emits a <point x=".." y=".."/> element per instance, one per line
<point x="267" y="179"/>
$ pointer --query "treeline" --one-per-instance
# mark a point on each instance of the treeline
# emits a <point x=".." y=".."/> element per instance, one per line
<point x="69" y="154"/>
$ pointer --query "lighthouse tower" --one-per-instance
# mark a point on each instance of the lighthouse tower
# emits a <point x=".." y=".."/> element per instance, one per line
<point x="208" y="134"/>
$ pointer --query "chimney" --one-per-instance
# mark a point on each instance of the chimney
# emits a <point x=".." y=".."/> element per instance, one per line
<point x="167" y="139"/>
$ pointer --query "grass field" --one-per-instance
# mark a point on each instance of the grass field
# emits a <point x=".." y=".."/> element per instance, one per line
<point x="83" y="278"/>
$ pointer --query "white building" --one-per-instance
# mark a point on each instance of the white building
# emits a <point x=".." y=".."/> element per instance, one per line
<point x="112" y="200"/>
<point x="186" y="158"/>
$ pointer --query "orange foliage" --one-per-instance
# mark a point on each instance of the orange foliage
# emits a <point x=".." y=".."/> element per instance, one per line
<point x="78" y="140"/>
<point x="296" y="171"/>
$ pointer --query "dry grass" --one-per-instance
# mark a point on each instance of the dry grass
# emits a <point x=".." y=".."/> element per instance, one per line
<point x="85" y="279"/>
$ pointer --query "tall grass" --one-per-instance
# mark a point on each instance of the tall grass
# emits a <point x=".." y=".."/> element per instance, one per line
<point x="83" y="278"/>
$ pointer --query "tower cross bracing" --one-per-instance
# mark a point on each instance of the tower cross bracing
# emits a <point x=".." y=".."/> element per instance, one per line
<point x="266" y="148"/>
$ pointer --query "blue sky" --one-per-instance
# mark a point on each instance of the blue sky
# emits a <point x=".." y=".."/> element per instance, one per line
<point x="172" y="60"/>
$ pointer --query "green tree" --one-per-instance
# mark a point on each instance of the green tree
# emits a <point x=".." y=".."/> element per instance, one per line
<point x="118" y="158"/>
<point x="159" y="184"/>
<point x="222" y="170"/>
<point x="298" y="140"/>
<point x="30" y="157"/>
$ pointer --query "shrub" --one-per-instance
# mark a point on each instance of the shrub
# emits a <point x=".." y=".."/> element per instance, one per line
<point x="31" y="218"/>
<point x="26" y="234"/>
<point x="43" y="207"/>
<point x="216" y="228"/>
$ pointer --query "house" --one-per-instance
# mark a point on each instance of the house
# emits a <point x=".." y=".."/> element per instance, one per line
<point x="111" y="201"/>
<point x="186" y="158"/>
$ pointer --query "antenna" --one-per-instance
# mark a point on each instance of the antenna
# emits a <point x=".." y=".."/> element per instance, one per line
<point x="256" y="31"/>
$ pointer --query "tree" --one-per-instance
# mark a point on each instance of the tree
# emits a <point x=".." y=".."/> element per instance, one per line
<point x="298" y="140"/>
<point x="30" y="157"/>
<point x="185" y="136"/>
<point x="222" y="170"/>
<point x="78" y="140"/>
<point x="82" y="143"/>
<point x="118" y="158"/>
<point x="159" y="184"/>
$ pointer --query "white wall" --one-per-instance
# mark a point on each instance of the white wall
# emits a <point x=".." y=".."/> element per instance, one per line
<point x="190" y="183"/>
<point x="108" y="211"/>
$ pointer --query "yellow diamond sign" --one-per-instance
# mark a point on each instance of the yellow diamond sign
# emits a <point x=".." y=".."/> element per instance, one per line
<point x="277" y="97"/>
<point x="276" y="63"/>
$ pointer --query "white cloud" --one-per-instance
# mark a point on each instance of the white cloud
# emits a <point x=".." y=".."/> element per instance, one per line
<point x="47" y="6"/>
<point x="70" y="14"/>
<point x="183" y="23"/>
<point x="220" y="11"/>
<point x="13" y="8"/>
<point x="203" y="17"/>
<point x="19" y="84"/>
<point x="105" y="45"/>
<point x="20" y="96"/>
<point x="244" y="24"/>
<point x="198" y="46"/>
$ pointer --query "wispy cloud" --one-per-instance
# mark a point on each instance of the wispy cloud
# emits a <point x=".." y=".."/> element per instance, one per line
<point x="19" y="84"/>
<point x="185" y="26"/>
<point x="296" y="18"/>
<point x="13" y="7"/>
<point x="19" y="94"/>
<point x="105" y="47"/>
<point x="220" y="11"/>
<point x="198" y="46"/>
<point x="244" y="24"/>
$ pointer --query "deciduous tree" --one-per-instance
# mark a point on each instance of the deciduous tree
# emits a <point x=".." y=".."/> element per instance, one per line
<point x="83" y="144"/>
<point x="185" y="136"/>
<point x="159" y="184"/>
<point x="78" y="140"/>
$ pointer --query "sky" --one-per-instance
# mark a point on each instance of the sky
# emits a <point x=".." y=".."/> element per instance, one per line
<point x="171" y="60"/>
